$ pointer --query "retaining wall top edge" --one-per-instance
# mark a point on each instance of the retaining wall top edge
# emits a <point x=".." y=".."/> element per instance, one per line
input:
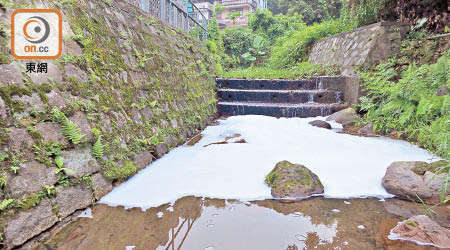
<point x="303" y="79"/>
<point x="379" y="24"/>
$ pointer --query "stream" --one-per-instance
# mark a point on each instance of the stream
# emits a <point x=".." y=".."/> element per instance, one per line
<point x="216" y="224"/>
<point x="212" y="195"/>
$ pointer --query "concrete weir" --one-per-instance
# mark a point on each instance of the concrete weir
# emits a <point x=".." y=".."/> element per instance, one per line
<point x="319" y="96"/>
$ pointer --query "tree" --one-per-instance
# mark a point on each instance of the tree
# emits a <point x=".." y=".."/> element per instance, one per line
<point x="237" y="40"/>
<point x="313" y="11"/>
<point x="234" y="15"/>
<point x="263" y="23"/>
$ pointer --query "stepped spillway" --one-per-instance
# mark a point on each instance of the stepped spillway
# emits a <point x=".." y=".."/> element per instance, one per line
<point x="278" y="98"/>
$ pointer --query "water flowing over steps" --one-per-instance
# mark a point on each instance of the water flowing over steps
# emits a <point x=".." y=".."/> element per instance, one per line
<point x="279" y="98"/>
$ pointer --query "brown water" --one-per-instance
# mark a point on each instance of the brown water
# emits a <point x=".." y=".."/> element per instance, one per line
<point x="214" y="224"/>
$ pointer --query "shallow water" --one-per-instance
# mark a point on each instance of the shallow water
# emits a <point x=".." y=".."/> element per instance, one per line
<point x="348" y="166"/>
<point x="216" y="224"/>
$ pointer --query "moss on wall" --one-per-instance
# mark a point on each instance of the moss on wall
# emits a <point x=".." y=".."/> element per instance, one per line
<point x="125" y="77"/>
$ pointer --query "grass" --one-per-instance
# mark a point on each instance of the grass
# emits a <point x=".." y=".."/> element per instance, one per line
<point x="303" y="70"/>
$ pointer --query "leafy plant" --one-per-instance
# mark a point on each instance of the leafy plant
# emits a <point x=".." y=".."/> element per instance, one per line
<point x="256" y="53"/>
<point x="59" y="161"/>
<point x="412" y="104"/>
<point x="69" y="128"/>
<point x="71" y="131"/>
<point x="6" y="203"/>
<point x="4" y="157"/>
<point x="14" y="169"/>
<point x="294" y="47"/>
<point x="47" y="191"/>
<point x="233" y="16"/>
<point x="98" y="148"/>
<point x="302" y="70"/>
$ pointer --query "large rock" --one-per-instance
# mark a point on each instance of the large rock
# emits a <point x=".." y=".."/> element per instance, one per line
<point x="71" y="198"/>
<point x="53" y="75"/>
<point x="81" y="121"/>
<point x="143" y="159"/>
<point x="29" y="224"/>
<point x="51" y="132"/>
<point x="289" y="180"/>
<point x="80" y="162"/>
<point x="55" y="99"/>
<point x="11" y="75"/>
<point x="19" y="138"/>
<point x="367" y="130"/>
<point x="73" y="71"/>
<point x="100" y="185"/>
<point x="320" y="124"/>
<point x="422" y="230"/>
<point x="407" y="179"/>
<point x="30" y="103"/>
<point x="3" y="112"/>
<point x="30" y="178"/>
<point x="161" y="149"/>
<point x="344" y="116"/>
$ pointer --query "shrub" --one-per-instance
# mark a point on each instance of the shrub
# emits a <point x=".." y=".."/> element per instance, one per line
<point x="411" y="105"/>
<point x="237" y="40"/>
<point x="295" y="46"/>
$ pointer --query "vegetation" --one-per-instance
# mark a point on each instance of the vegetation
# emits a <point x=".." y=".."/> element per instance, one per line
<point x="410" y="99"/>
<point x="302" y="70"/>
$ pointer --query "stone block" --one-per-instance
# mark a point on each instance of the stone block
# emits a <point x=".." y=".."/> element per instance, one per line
<point x="71" y="198"/>
<point x="30" y="103"/>
<point x="53" y="75"/>
<point x="80" y="120"/>
<point x="51" y="132"/>
<point x="80" y="161"/>
<point x="11" y="74"/>
<point x="30" y="178"/>
<point x="143" y="159"/>
<point x="19" y="137"/>
<point x="3" y="113"/>
<point x="73" y="71"/>
<point x="100" y="185"/>
<point x="55" y="99"/>
<point x="28" y="224"/>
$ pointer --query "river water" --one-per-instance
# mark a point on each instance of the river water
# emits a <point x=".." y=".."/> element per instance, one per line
<point x="212" y="196"/>
<point x="193" y="223"/>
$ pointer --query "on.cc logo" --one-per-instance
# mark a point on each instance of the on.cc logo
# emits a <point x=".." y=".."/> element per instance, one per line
<point x="36" y="34"/>
<point x="39" y="26"/>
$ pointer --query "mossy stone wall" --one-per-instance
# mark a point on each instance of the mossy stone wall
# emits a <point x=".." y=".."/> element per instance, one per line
<point x="131" y="86"/>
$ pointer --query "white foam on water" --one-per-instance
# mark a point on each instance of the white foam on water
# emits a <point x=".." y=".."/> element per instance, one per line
<point x="86" y="213"/>
<point x="348" y="166"/>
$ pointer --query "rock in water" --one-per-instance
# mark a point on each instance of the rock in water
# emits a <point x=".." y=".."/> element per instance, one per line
<point x="289" y="180"/>
<point x="422" y="230"/>
<point x="320" y="124"/>
<point x="345" y="116"/>
<point x="409" y="179"/>
<point x="367" y="130"/>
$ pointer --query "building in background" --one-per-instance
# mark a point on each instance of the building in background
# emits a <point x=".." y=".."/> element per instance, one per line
<point x="237" y="8"/>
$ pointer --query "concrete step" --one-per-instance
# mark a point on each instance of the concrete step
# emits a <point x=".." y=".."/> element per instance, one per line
<point x="279" y="109"/>
<point x="268" y="84"/>
<point x="280" y="96"/>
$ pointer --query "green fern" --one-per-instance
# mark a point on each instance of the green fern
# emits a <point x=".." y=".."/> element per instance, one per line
<point x="98" y="148"/>
<point x="71" y="131"/>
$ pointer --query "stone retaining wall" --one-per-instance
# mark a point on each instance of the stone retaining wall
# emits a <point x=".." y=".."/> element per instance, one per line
<point x="365" y="46"/>
<point x="141" y="86"/>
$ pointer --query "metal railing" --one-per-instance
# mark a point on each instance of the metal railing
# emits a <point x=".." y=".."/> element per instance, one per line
<point x="176" y="14"/>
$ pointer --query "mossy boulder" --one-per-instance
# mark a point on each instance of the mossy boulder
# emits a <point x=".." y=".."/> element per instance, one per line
<point x="289" y="180"/>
